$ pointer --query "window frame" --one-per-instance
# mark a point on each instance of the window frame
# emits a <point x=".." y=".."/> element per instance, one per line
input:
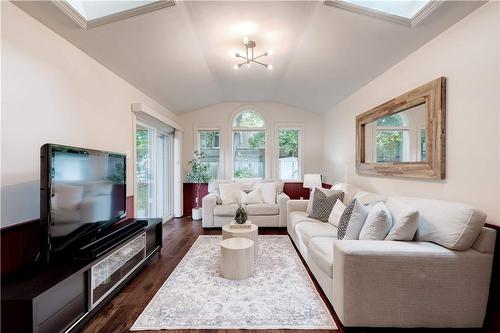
<point x="289" y="126"/>
<point x="156" y="128"/>
<point x="197" y="144"/>
<point x="250" y="129"/>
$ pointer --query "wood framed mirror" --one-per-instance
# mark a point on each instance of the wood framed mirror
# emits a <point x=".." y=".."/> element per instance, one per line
<point x="405" y="137"/>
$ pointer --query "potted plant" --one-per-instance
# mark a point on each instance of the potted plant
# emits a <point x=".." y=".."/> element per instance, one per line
<point x="198" y="174"/>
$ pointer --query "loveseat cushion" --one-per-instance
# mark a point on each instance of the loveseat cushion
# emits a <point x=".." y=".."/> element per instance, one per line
<point x="320" y="250"/>
<point x="262" y="209"/>
<point x="449" y="224"/>
<point x="308" y="230"/>
<point x="226" y="210"/>
<point x="294" y="218"/>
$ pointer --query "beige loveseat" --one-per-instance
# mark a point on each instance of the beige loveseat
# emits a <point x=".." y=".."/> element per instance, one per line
<point x="215" y="214"/>
<point x="441" y="279"/>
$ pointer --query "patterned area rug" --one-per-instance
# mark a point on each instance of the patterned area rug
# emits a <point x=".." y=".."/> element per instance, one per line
<point x="279" y="295"/>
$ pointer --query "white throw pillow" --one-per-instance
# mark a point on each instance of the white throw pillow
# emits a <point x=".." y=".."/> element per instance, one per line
<point x="326" y="191"/>
<point x="253" y="197"/>
<point x="357" y="221"/>
<point x="405" y="220"/>
<point x="336" y="213"/>
<point x="378" y="223"/>
<point x="230" y="193"/>
<point x="268" y="192"/>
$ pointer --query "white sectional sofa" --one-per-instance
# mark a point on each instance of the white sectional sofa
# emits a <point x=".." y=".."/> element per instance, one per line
<point x="215" y="214"/>
<point x="440" y="282"/>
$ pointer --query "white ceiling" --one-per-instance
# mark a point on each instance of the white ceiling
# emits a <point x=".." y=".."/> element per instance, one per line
<point x="179" y="55"/>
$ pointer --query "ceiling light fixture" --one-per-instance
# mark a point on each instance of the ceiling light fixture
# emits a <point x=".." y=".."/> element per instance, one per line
<point x="249" y="55"/>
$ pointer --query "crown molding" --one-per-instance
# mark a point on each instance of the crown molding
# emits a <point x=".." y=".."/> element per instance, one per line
<point x="82" y="22"/>
<point x="412" y="22"/>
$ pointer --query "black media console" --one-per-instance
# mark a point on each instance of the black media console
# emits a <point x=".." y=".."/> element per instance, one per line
<point x="63" y="296"/>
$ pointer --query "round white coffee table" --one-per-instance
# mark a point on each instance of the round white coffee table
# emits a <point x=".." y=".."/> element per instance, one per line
<point x="251" y="233"/>
<point x="237" y="260"/>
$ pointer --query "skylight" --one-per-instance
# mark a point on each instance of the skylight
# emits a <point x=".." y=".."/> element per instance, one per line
<point x="406" y="12"/>
<point x="91" y="13"/>
<point x="406" y="9"/>
<point x="92" y="10"/>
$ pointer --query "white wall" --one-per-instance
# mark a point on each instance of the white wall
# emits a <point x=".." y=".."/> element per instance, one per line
<point x="275" y="114"/>
<point x="54" y="93"/>
<point x="468" y="55"/>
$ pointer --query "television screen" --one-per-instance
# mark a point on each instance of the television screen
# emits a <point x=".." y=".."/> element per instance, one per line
<point x="87" y="190"/>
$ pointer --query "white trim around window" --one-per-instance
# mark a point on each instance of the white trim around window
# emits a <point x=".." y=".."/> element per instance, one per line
<point x="288" y="126"/>
<point x="212" y="127"/>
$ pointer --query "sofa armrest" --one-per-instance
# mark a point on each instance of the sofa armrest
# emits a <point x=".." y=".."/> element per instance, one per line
<point x="282" y="200"/>
<point x="208" y="204"/>
<point x="425" y="284"/>
<point x="296" y="206"/>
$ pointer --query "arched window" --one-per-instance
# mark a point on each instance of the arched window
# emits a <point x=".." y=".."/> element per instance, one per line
<point x="249" y="145"/>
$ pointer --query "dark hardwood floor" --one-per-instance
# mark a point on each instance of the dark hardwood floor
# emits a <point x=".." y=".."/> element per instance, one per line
<point x="178" y="236"/>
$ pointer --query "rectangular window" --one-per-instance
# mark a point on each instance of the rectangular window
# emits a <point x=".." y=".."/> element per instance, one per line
<point x="249" y="149"/>
<point x="154" y="156"/>
<point x="392" y="145"/>
<point x="209" y="145"/>
<point x="288" y="156"/>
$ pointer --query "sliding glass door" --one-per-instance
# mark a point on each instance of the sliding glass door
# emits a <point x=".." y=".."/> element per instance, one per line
<point x="154" y="185"/>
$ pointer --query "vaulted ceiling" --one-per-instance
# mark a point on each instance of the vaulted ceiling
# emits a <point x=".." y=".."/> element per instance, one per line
<point x="179" y="55"/>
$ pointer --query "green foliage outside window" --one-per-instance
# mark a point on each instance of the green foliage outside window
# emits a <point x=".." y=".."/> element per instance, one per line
<point x="392" y="120"/>
<point x="289" y="143"/>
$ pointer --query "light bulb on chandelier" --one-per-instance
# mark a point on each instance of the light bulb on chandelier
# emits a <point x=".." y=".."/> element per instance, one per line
<point x="248" y="55"/>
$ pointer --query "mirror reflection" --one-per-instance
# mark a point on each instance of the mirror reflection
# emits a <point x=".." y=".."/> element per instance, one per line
<point x="398" y="137"/>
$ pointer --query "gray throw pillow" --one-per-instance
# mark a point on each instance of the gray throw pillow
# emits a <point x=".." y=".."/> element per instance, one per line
<point x="352" y="221"/>
<point x="323" y="204"/>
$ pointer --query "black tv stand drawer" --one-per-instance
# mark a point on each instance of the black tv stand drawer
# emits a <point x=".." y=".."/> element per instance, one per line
<point x="57" y="297"/>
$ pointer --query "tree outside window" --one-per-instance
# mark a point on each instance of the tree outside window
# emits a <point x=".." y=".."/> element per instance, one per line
<point x="288" y="141"/>
<point x="249" y="145"/>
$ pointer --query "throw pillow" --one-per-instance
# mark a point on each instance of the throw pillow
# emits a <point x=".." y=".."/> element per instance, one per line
<point x="378" y="223"/>
<point x="352" y="220"/>
<point x="230" y="193"/>
<point x="323" y="205"/>
<point x="253" y="197"/>
<point x="326" y="191"/>
<point x="336" y="213"/>
<point x="268" y="192"/>
<point x="405" y="220"/>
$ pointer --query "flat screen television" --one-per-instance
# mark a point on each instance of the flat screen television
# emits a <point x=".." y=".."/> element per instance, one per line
<point x="83" y="191"/>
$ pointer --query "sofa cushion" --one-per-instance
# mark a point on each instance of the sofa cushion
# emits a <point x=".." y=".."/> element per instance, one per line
<point x="226" y="210"/>
<point x="328" y="192"/>
<point x="308" y="230"/>
<point x="336" y="214"/>
<point x="295" y="218"/>
<point x="262" y="209"/>
<point x="320" y="250"/>
<point x="449" y="224"/>
<point x="377" y="224"/>
<point x="252" y="197"/>
<point x="349" y="191"/>
<point x="323" y="204"/>
<point x="352" y="220"/>
<point x="268" y="192"/>
<point x="367" y="198"/>
<point x="230" y="193"/>
<point x="404" y="220"/>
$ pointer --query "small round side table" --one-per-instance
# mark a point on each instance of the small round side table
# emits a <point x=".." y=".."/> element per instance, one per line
<point x="237" y="260"/>
<point x="251" y="233"/>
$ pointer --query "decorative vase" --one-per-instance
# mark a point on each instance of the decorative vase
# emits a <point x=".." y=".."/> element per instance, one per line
<point x="241" y="215"/>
